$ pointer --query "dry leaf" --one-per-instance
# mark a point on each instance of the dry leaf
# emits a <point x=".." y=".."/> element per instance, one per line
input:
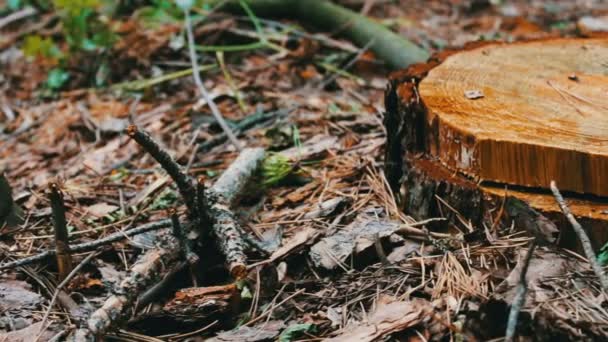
<point x="389" y="317"/>
<point x="101" y="209"/>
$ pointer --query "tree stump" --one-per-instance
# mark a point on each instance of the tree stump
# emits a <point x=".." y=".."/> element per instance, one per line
<point x="470" y="127"/>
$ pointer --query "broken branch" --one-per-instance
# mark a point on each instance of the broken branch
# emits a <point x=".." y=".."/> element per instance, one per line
<point x="62" y="247"/>
<point x="228" y="233"/>
<point x="89" y="246"/>
<point x="184" y="185"/>
<point x="520" y="296"/>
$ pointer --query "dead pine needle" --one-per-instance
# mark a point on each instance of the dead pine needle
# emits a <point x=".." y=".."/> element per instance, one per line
<point x="520" y="295"/>
<point x="62" y="247"/>
<point x="582" y="236"/>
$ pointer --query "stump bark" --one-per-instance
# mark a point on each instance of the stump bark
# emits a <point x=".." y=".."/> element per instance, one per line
<point x="468" y="124"/>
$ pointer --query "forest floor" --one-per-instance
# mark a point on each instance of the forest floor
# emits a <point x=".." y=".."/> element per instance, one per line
<point x="344" y="261"/>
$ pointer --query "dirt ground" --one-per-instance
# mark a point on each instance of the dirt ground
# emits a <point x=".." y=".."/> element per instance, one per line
<point x="315" y="103"/>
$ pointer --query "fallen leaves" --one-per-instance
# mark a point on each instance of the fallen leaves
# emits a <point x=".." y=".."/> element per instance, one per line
<point x="390" y="316"/>
<point x="333" y="250"/>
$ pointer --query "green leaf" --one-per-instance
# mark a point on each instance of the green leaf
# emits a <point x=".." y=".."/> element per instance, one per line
<point x="37" y="46"/>
<point x="295" y="331"/>
<point x="57" y="78"/>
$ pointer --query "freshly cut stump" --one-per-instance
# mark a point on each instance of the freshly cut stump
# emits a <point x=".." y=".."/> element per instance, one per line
<point x="499" y="115"/>
<point x="543" y="114"/>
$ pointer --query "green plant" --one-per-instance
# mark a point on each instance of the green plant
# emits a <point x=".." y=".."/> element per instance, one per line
<point x="37" y="46"/>
<point x="85" y="27"/>
<point x="275" y="168"/>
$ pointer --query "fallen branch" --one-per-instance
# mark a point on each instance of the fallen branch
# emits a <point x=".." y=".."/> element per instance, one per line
<point x="221" y="196"/>
<point x="149" y="268"/>
<point x="520" y="297"/>
<point x="152" y="266"/>
<point x="184" y="185"/>
<point x="388" y="46"/>
<point x="89" y="246"/>
<point x="582" y="236"/>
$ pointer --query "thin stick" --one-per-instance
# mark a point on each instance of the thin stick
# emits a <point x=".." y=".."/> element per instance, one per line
<point x="62" y="247"/>
<point x="15" y="16"/>
<point x="520" y="296"/>
<point x="65" y="281"/>
<point x="201" y="87"/>
<point x="184" y="185"/>
<point x="582" y="236"/>
<point x="89" y="246"/>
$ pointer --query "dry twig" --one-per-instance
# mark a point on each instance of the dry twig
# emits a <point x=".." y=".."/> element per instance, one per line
<point x="65" y="281"/>
<point x="184" y="185"/>
<point x="582" y="236"/>
<point x="62" y="247"/>
<point x="201" y="87"/>
<point x="520" y="296"/>
<point x="89" y="246"/>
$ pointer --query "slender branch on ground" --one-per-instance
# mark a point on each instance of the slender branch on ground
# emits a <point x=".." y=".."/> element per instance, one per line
<point x="184" y="185"/>
<point x="154" y="265"/>
<point x="65" y="281"/>
<point x="390" y="47"/>
<point x="242" y="126"/>
<point x="201" y="87"/>
<point x="582" y="236"/>
<point x="520" y="297"/>
<point x="92" y="245"/>
<point x="16" y="16"/>
<point x="62" y="247"/>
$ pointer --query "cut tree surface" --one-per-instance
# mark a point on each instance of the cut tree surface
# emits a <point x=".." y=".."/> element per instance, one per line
<point x="523" y="114"/>
<point x="469" y="124"/>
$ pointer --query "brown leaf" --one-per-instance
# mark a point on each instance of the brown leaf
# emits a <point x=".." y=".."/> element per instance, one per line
<point x="389" y="317"/>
